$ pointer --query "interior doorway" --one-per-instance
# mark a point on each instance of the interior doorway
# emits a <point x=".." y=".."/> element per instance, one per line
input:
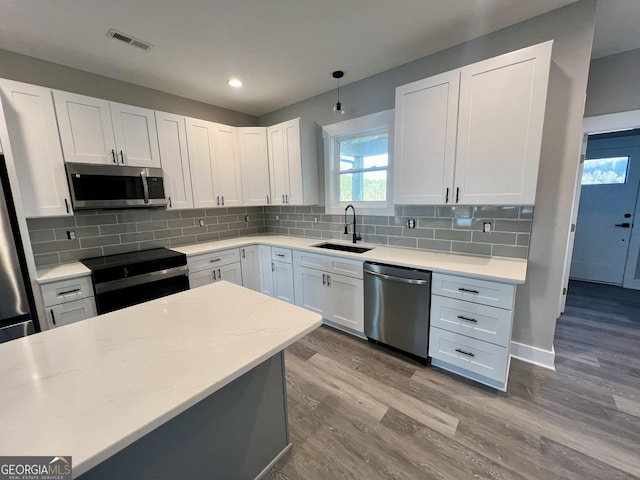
<point x="607" y="207"/>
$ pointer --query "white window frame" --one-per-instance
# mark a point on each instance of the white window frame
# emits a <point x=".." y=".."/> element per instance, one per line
<point x="332" y="135"/>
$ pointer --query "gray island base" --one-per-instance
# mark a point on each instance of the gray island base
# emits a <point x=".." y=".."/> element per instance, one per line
<point x="237" y="432"/>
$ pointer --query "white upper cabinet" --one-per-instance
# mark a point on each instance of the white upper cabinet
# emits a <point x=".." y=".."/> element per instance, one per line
<point x="201" y="155"/>
<point x="254" y="162"/>
<point x="502" y="105"/>
<point x="425" y="144"/>
<point x="294" y="177"/>
<point x="33" y="133"/>
<point x="227" y="169"/>
<point x="97" y="131"/>
<point x="172" y="138"/>
<point x="136" y="138"/>
<point x="473" y="135"/>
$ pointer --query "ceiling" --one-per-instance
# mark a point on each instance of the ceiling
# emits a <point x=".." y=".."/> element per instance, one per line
<point x="284" y="50"/>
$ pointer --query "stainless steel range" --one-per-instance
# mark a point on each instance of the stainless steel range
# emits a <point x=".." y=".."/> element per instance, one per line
<point x="127" y="279"/>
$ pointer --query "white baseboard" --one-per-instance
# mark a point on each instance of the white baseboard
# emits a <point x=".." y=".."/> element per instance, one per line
<point x="534" y="355"/>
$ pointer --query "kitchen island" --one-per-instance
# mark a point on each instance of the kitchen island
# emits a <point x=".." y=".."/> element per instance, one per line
<point x="186" y="386"/>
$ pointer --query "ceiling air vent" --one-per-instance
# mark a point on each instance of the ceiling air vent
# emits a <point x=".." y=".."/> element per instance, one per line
<point x="134" y="42"/>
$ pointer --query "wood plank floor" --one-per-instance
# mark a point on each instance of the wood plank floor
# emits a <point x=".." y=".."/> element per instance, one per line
<point x="357" y="411"/>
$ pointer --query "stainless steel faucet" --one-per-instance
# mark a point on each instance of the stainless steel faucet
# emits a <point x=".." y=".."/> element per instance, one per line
<point x="356" y="235"/>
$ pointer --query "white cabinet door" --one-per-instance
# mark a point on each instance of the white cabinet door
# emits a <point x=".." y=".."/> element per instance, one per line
<point x="86" y="131"/>
<point x="201" y="154"/>
<point x="227" y="179"/>
<point x="135" y="133"/>
<point x="346" y="302"/>
<point x="266" y="270"/>
<point x="71" y="312"/>
<point x="33" y="132"/>
<point x="312" y="292"/>
<point x="425" y="140"/>
<point x="501" y="115"/>
<point x="231" y="273"/>
<point x="254" y="163"/>
<point x="291" y="133"/>
<point x="278" y="165"/>
<point x="250" y="261"/>
<point x="172" y="139"/>
<point x="202" y="278"/>
<point x="283" y="281"/>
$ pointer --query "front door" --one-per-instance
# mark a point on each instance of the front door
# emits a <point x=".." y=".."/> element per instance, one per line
<point x="607" y="207"/>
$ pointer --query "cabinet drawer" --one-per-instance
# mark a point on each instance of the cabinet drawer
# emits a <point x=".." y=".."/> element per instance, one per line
<point x="475" y="356"/>
<point x="489" y="324"/>
<point x="485" y="292"/>
<point x="281" y="254"/>
<point x="310" y="260"/>
<point x="205" y="261"/>
<point x="342" y="266"/>
<point x="71" y="312"/>
<point x="66" y="290"/>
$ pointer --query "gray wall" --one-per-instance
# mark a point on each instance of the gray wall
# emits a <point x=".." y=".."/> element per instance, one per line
<point x="571" y="28"/>
<point x="25" y="69"/>
<point x="613" y="84"/>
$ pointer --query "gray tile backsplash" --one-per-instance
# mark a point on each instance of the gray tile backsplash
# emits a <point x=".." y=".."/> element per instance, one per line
<point x="107" y="233"/>
<point x="447" y="228"/>
<point x="455" y="229"/>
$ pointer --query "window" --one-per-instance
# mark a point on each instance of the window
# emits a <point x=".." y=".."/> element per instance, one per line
<point x="357" y="164"/>
<point x="605" y="171"/>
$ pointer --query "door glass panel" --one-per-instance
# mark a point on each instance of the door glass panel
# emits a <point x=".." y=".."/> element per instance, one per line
<point x="605" y="171"/>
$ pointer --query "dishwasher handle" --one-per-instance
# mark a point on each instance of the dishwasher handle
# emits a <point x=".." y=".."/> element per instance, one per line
<point x="397" y="279"/>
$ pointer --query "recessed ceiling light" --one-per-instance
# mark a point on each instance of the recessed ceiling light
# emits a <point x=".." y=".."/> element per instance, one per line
<point x="235" y="83"/>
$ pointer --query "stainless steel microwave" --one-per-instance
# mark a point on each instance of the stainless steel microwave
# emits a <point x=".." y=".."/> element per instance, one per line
<point x="113" y="186"/>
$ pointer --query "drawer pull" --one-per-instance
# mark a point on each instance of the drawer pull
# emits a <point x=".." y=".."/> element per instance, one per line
<point x="465" y="353"/>
<point x="280" y="254"/>
<point x="215" y="260"/>
<point x="462" y="317"/>
<point x="468" y="291"/>
<point x="75" y="290"/>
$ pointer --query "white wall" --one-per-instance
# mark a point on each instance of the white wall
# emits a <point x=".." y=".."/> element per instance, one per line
<point x="614" y="84"/>
<point x="571" y="28"/>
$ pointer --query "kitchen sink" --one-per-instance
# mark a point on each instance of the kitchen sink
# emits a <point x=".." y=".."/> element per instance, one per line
<point x="342" y="247"/>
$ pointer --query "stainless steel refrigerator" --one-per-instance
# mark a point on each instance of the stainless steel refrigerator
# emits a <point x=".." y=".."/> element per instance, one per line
<point x="17" y="312"/>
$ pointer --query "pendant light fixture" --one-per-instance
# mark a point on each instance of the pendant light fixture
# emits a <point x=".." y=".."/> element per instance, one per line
<point x="338" y="108"/>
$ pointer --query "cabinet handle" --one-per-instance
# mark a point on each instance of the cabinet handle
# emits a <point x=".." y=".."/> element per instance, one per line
<point x="465" y="353"/>
<point x="219" y="275"/>
<point x="324" y="279"/>
<point x="214" y="276"/>
<point x="287" y="197"/>
<point x="283" y="198"/>
<point x="68" y="292"/>
<point x="457" y="194"/>
<point x="273" y="267"/>
<point x="243" y="254"/>
<point x="223" y="200"/>
<point x="280" y="255"/>
<point x="446" y="199"/>
<point x="218" y="200"/>
<point x="268" y="199"/>
<point x="66" y="205"/>
<point x="170" y="205"/>
<point x="466" y="290"/>
<point x="53" y="318"/>
<point x="113" y="155"/>
<point x="462" y="317"/>
<point x="215" y="260"/>
<point x="328" y="280"/>
<point x="122" y="156"/>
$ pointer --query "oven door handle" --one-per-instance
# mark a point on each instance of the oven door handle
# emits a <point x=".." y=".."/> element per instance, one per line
<point x="145" y="185"/>
<point x="140" y="279"/>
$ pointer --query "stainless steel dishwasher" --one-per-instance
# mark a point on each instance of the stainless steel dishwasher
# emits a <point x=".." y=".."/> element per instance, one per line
<point x="396" y="307"/>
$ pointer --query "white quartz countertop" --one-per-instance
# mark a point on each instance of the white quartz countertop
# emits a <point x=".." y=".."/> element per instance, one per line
<point x="501" y="269"/>
<point x="92" y="388"/>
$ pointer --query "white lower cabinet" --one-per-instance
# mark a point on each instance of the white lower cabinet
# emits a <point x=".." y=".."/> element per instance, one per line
<point x="71" y="312"/>
<point x="283" y="281"/>
<point x="276" y="272"/>
<point x="471" y="323"/>
<point x="68" y="301"/>
<point x="266" y="272"/>
<point x="250" y="263"/>
<point x="211" y="267"/>
<point x="338" y="298"/>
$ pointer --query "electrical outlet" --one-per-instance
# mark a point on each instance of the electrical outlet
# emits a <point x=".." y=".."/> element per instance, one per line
<point x="411" y="223"/>
<point x="486" y="227"/>
<point x="277" y="217"/>
<point x="315" y="219"/>
<point x="201" y="222"/>
<point x="246" y="218"/>
<point x="71" y="234"/>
